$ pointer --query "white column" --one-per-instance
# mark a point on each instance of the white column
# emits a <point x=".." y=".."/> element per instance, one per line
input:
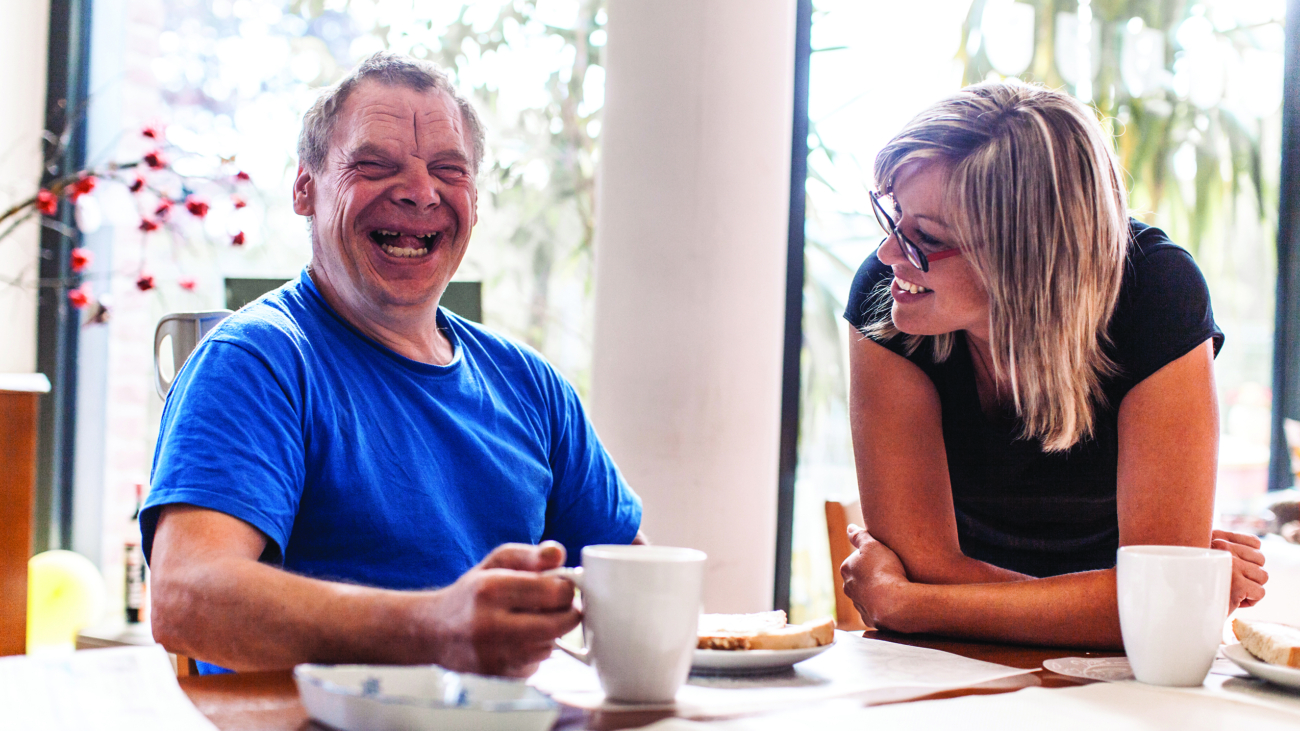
<point x="24" y="28"/>
<point x="692" y="211"/>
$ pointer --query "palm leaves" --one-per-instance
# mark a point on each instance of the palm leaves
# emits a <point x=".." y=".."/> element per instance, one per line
<point x="1189" y="164"/>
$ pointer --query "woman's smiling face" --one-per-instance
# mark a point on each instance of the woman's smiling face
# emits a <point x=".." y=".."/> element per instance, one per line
<point x="950" y="296"/>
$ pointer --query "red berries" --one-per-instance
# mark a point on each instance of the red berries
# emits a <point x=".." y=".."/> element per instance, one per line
<point x="47" y="203"/>
<point x="81" y="258"/>
<point x="80" y="296"/>
<point x="82" y="187"/>
<point x="197" y="206"/>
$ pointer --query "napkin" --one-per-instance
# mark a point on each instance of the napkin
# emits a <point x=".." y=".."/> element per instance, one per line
<point x="856" y="667"/>
<point x="1128" y="706"/>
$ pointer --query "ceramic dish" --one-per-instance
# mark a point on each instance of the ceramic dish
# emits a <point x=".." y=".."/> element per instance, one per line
<point x="1279" y="674"/>
<point x="751" y="662"/>
<point x="389" y="698"/>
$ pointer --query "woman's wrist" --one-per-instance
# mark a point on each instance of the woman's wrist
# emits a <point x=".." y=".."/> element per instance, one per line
<point x="904" y="606"/>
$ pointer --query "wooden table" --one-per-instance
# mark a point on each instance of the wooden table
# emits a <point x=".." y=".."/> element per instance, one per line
<point x="269" y="701"/>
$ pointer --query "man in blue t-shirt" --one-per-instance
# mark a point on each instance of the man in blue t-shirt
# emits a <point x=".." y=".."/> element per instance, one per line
<point x="334" y="453"/>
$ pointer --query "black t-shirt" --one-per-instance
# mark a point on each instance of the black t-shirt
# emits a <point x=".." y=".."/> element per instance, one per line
<point x="1046" y="514"/>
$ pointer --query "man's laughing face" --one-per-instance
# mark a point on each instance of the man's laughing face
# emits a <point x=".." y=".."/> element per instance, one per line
<point x="393" y="204"/>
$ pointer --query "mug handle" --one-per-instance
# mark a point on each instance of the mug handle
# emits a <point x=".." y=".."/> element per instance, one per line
<point x="575" y="577"/>
<point x="166" y="326"/>
<point x="191" y="327"/>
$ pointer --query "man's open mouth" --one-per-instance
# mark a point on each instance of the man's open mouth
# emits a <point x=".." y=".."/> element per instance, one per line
<point x="408" y="245"/>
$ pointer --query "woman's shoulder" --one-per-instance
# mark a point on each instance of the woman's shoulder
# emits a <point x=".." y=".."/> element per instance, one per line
<point x="1151" y="248"/>
<point x="1159" y="276"/>
<point x="1164" y="308"/>
<point x="863" y="300"/>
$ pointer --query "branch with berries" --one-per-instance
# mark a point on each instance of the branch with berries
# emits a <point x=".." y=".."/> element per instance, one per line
<point x="155" y="185"/>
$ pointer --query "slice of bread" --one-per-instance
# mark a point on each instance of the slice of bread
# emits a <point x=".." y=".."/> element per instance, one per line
<point x="762" y="631"/>
<point x="1277" y="644"/>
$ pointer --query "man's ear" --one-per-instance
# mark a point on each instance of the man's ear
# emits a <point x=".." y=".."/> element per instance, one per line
<point x="474" y="222"/>
<point x="304" y="193"/>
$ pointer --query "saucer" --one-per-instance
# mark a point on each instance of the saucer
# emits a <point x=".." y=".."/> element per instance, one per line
<point x="395" y="698"/>
<point x="751" y="662"/>
<point x="1279" y="674"/>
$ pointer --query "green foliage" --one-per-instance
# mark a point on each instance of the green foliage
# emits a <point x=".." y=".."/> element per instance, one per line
<point x="533" y="244"/>
<point x="556" y="223"/>
<point x="1158" y="130"/>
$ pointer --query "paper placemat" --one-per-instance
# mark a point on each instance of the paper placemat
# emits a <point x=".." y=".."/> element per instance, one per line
<point x="854" y="667"/>
<point x="1110" y="706"/>
<point x="1248" y="690"/>
<point x="116" y="688"/>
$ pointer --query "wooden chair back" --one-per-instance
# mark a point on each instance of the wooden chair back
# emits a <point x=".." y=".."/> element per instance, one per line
<point x="186" y="667"/>
<point x="19" y="410"/>
<point x="838" y="517"/>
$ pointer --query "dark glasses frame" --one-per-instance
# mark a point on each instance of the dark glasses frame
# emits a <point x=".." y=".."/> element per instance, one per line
<point x="918" y="258"/>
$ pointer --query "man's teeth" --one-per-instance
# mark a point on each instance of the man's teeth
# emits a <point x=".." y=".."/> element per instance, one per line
<point x="421" y="250"/>
<point x="907" y="286"/>
<point x="398" y="251"/>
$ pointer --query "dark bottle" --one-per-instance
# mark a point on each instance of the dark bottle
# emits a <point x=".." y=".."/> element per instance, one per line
<point x="135" y="566"/>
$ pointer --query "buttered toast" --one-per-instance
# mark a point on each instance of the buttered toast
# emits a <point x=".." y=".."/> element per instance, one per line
<point x="762" y="631"/>
<point x="1276" y="644"/>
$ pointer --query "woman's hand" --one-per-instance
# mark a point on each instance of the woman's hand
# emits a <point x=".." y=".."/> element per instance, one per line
<point x="1248" y="574"/>
<point x="874" y="579"/>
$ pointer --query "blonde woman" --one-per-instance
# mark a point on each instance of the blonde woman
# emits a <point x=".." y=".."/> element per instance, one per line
<point x="1032" y="381"/>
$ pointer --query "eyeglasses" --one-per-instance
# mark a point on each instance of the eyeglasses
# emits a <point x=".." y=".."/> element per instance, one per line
<point x="913" y="252"/>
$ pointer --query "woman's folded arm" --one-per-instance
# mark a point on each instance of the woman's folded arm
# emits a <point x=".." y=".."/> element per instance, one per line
<point x="902" y="468"/>
<point x="908" y="573"/>
<point x="1076" y="610"/>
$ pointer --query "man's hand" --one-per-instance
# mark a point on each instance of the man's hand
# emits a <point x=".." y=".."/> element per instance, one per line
<point x="502" y="617"/>
<point x="1248" y="574"/>
<point x="873" y="579"/>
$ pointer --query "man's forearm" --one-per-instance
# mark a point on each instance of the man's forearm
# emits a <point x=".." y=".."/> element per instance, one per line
<point x="249" y="616"/>
<point x="1074" y="610"/>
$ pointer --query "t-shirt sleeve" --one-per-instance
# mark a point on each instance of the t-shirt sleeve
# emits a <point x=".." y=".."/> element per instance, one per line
<point x="231" y="441"/>
<point x="869" y="301"/>
<point x="590" y="502"/>
<point x="1164" y="315"/>
<point x="864" y="295"/>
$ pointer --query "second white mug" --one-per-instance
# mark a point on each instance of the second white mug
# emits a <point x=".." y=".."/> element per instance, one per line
<point x="1173" y="601"/>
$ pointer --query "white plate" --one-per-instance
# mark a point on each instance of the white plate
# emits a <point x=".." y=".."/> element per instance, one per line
<point x="396" y="698"/>
<point x="1273" y="673"/>
<point x="751" y="662"/>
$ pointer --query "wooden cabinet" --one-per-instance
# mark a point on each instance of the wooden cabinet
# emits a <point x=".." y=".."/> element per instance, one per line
<point x="19" y="394"/>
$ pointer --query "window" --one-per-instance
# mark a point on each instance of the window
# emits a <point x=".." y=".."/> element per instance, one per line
<point x="1193" y="95"/>
<point x="221" y="86"/>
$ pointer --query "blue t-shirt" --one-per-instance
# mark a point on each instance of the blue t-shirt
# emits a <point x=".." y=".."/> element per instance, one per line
<point x="364" y="466"/>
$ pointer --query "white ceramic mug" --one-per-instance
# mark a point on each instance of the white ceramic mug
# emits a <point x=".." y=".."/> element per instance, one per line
<point x="186" y="329"/>
<point x="1173" y="601"/>
<point x="640" y="618"/>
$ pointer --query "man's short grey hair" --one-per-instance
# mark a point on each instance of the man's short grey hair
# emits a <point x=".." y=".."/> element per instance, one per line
<point x="389" y="69"/>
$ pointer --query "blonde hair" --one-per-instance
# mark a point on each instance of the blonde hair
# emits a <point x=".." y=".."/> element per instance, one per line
<point x="1041" y="214"/>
